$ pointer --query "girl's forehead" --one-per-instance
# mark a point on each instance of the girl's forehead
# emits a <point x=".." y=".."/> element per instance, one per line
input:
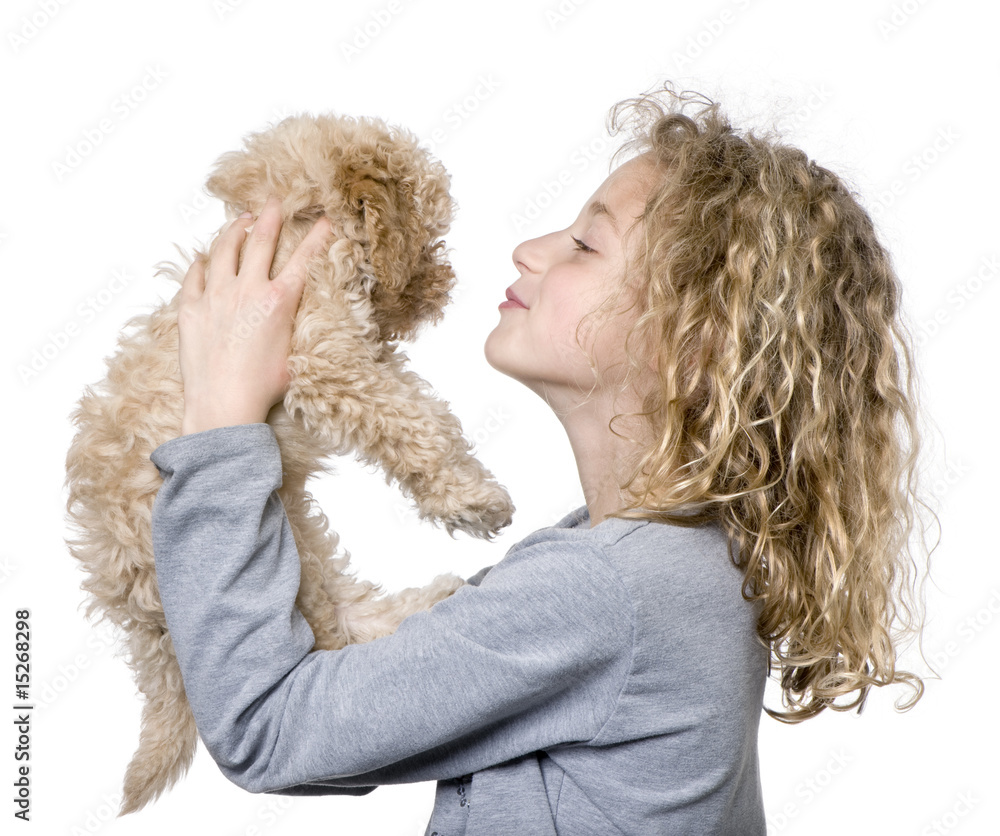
<point x="621" y="198"/>
<point x="628" y="184"/>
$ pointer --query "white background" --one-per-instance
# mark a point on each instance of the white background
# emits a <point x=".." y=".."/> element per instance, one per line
<point x="883" y="93"/>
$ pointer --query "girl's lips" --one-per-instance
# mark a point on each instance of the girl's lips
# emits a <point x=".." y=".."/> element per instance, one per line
<point x="512" y="301"/>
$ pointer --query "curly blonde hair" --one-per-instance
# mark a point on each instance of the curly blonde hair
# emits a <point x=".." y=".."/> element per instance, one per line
<point x="785" y="404"/>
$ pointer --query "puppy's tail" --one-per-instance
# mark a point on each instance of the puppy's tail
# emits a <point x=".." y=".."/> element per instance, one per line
<point x="168" y="738"/>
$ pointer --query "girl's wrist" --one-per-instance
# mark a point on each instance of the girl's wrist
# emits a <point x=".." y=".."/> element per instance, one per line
<point x="198" y="418"/>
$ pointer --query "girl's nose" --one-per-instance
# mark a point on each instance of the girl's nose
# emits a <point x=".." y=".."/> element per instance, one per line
<point x="528" y="256"/>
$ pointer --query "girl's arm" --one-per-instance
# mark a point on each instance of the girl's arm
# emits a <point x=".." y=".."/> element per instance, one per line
<point x="533" y="658"/>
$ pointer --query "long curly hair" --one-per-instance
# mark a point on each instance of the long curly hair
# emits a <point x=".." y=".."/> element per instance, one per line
<point x="784" y="408"/>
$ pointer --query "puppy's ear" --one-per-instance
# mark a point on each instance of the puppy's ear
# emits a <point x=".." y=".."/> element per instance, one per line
<point x="413" y="276"/>
<point x="240" y="181"/>
<point x="389" y="220"/>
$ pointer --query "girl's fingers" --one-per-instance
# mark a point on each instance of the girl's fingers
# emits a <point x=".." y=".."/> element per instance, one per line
<point x="227" y="249"/>
<point x="263" y="240"/>
<point x="193" y="284"/>
<point x="293" y="274"/>
<point x="258" y="255"/>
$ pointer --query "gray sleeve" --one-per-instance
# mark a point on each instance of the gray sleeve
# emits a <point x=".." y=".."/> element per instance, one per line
<point x="533" y="657"/>
<point x="477" y="578"/>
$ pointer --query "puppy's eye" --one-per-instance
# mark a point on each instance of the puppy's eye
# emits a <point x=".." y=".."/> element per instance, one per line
<point x="582" y="247"/>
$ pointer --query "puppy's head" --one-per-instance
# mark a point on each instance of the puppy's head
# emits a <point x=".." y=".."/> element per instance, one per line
<point x="380" y="190"/>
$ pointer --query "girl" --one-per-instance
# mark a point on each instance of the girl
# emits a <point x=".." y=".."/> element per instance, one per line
<point x="718" y="333"/>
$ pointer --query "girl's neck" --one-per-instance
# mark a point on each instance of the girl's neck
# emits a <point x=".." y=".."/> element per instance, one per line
<point x="601" y="456"/>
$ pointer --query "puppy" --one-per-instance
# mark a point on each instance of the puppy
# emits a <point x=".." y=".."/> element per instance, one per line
<point x="385" y="275"/>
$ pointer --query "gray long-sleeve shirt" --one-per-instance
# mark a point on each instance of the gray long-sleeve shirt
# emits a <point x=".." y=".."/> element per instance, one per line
<point x="596" y="681"/>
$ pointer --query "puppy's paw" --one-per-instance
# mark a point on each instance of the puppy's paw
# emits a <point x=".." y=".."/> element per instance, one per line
<point x="483" y="515"/>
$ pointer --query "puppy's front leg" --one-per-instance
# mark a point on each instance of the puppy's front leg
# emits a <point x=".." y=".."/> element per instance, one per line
<point x="386" y="415"/>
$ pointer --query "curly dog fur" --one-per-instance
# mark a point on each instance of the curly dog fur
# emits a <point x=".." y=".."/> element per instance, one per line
<point x="385" y="275"/>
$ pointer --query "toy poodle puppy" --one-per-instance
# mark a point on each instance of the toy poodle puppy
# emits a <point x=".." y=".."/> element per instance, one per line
<point x="384" y="276"/>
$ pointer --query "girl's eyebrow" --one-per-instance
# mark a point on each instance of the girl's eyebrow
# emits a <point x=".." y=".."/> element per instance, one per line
<point x="598" y="208"/>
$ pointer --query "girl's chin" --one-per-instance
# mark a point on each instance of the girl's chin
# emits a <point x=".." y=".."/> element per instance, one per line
<point x="500" y="362"/>
<point x="493" y="350"/>
<point x="497" y="362"/>
<point x="505" y="353"/>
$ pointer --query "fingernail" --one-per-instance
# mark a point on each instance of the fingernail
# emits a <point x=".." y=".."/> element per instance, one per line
<point x="247" y="215"/>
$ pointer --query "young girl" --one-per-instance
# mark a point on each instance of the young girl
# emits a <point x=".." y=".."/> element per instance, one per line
<point x="718" y="333"/>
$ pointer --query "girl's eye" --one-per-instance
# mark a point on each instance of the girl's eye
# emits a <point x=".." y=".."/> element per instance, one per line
<point x="581" y="246"/>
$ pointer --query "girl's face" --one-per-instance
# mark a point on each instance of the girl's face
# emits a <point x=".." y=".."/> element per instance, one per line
<point x="564" y="276"/>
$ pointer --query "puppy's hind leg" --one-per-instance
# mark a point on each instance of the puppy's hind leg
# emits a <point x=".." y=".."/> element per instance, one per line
<point x="169" y="736"/>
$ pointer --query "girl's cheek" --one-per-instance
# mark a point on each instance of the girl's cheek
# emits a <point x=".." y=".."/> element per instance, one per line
<point x="560" y="322"/>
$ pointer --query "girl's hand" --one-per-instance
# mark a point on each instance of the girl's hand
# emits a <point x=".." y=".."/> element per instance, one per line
<point x="235" y="329"/>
